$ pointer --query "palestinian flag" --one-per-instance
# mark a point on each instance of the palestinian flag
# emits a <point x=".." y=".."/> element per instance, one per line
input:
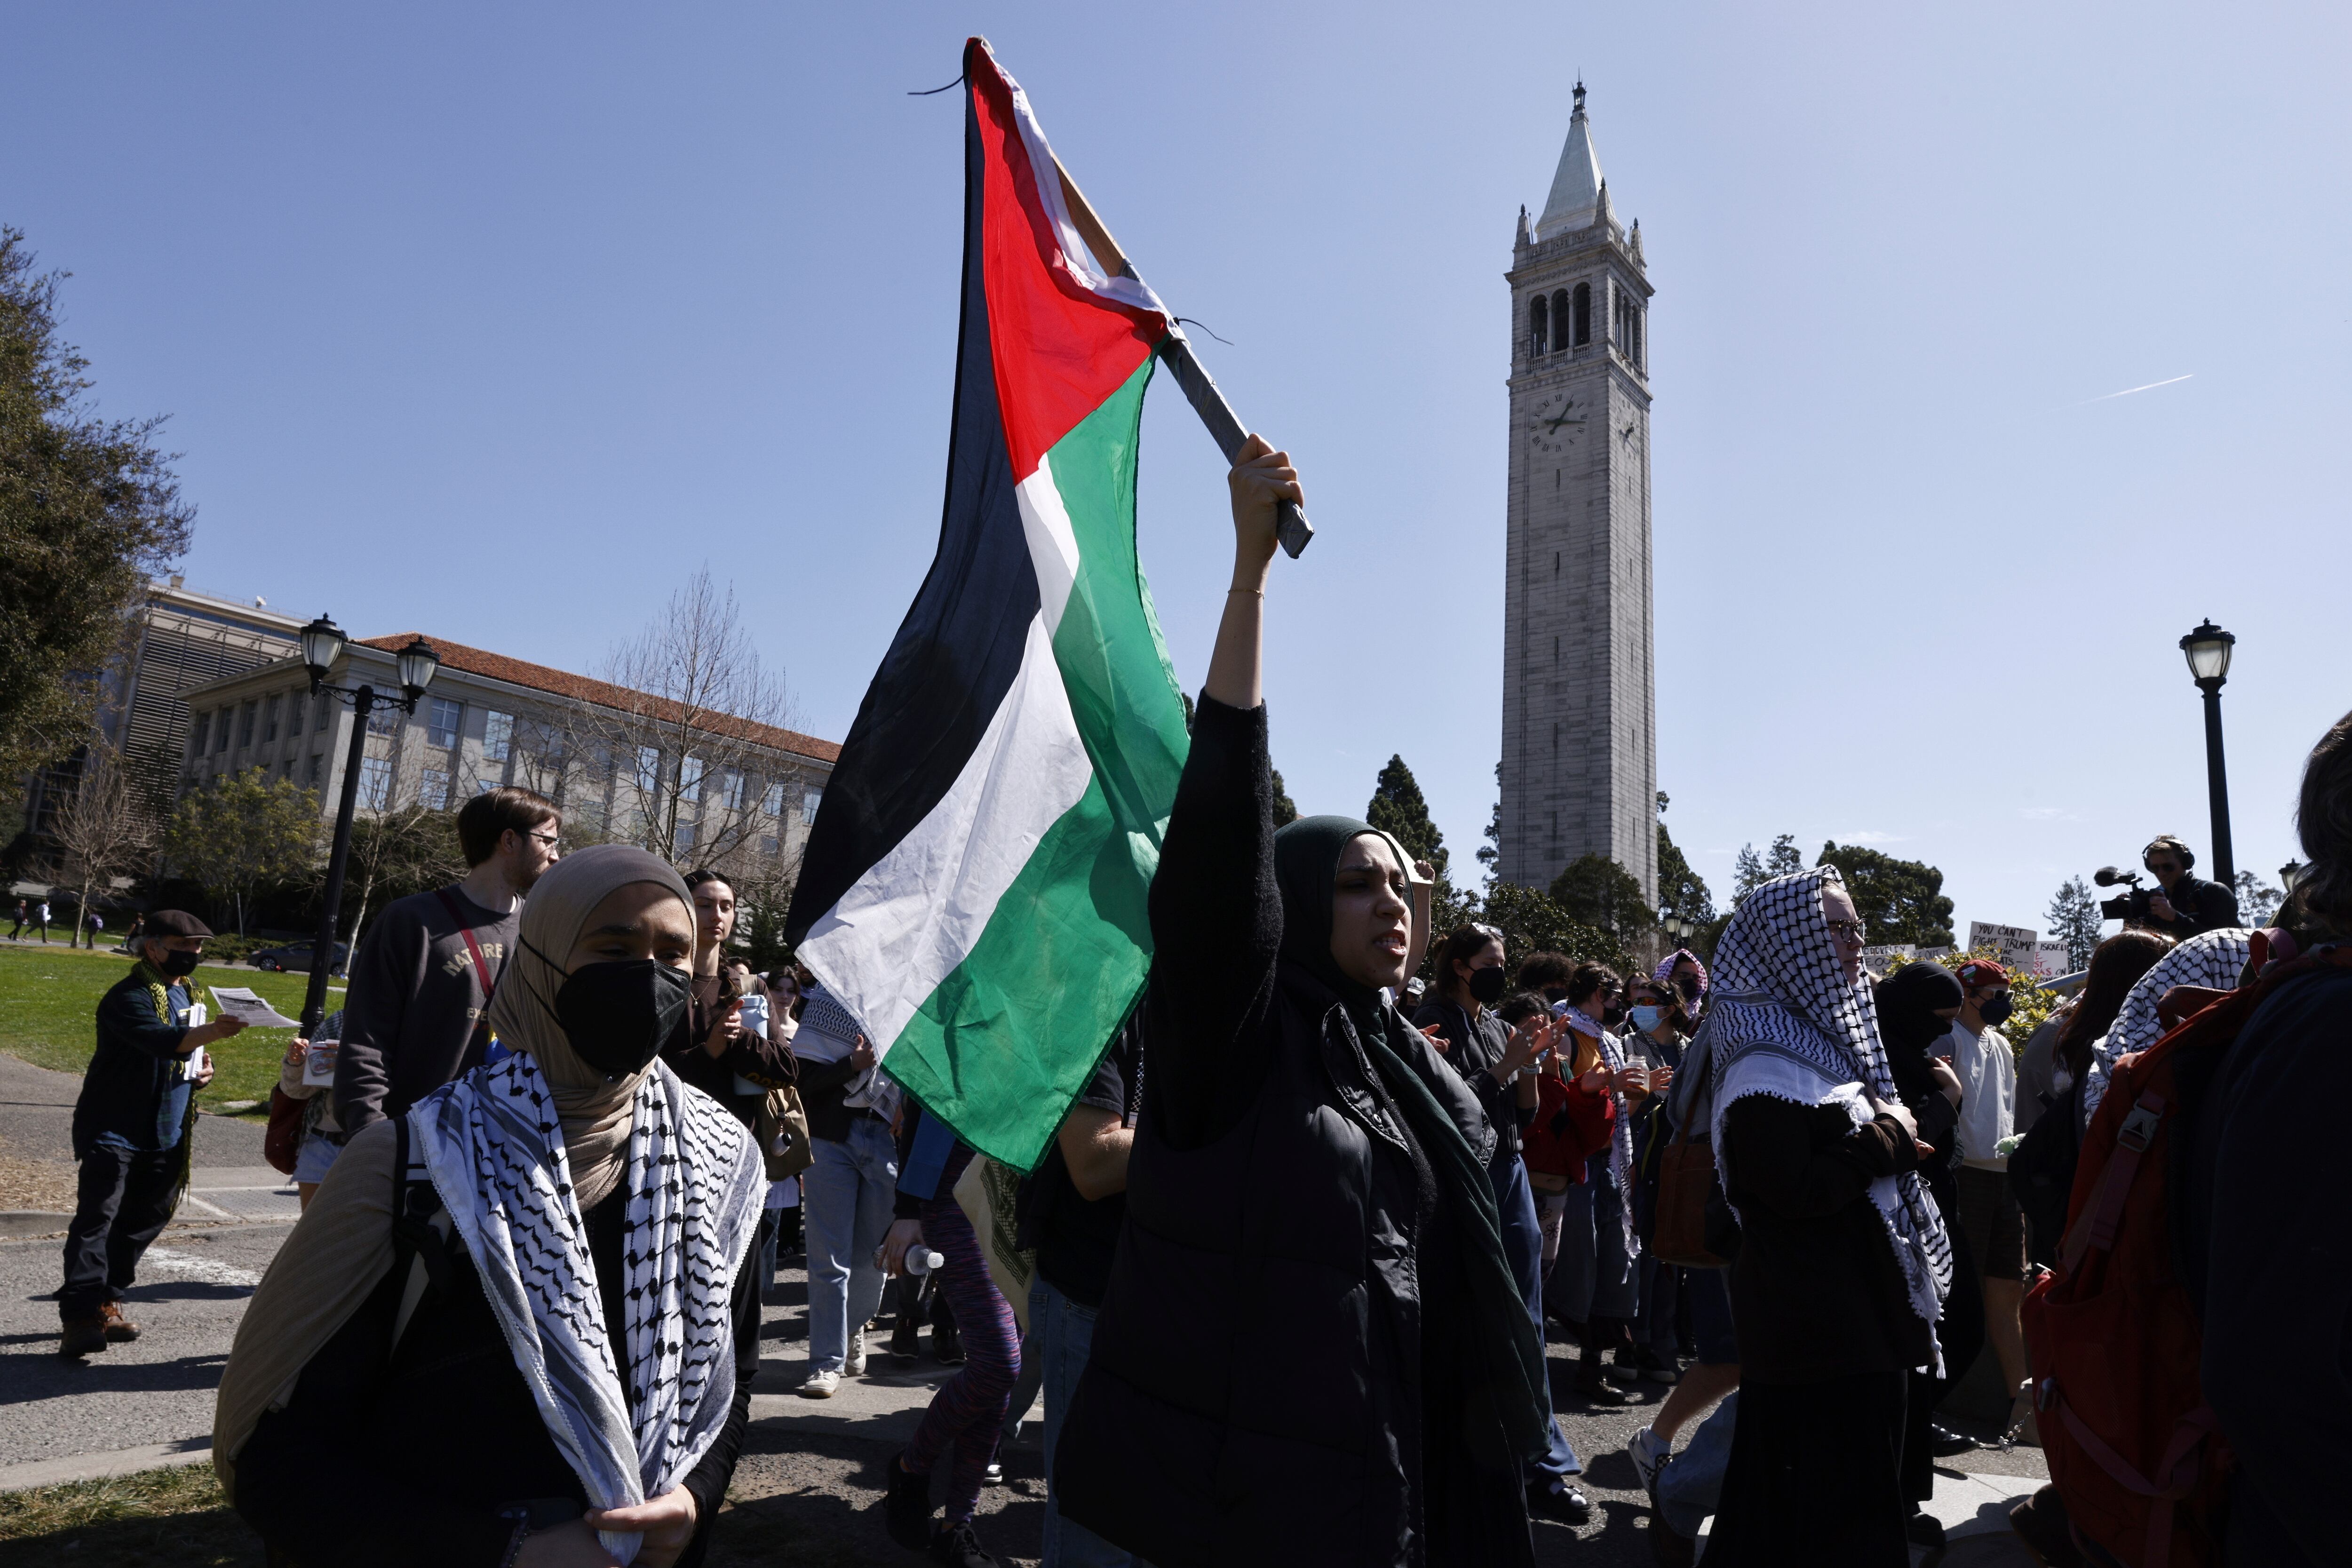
<point x="974" y="888"/>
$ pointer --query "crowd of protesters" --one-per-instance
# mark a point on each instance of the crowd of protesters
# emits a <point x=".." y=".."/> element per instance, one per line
<point x="1285" y="1276"/>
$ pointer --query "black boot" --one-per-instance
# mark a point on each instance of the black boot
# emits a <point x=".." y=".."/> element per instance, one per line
<point x="1594" y="1385"/>
<point x="906" y="1507"/>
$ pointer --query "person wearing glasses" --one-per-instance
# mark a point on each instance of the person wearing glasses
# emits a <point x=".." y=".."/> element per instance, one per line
<point x="417" y="1013"/>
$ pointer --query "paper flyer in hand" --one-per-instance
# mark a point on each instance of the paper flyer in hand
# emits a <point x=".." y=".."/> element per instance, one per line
<point x="239" y="1003"/>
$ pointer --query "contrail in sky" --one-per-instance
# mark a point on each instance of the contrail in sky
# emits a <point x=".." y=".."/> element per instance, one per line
<point x="2128" y="391"/>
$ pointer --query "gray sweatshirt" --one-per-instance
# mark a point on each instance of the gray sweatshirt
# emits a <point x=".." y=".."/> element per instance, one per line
<point x="414" y="1017"/>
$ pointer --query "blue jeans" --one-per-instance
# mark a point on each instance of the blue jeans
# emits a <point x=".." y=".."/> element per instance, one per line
<point x="1061" y="1333"/>
<point x="850" y="1194"/>
<point x="1515" y="1205"/>
<point x="1593" y="1277"/>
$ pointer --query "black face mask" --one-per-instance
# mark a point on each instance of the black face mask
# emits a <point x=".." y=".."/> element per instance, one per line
<point x="619" y="1016"/>
<point x="1612" y="1016"/>
<point x="1487" y="985"/>
<point x="1555" y="993"/>
<point x="1996" y="1010"/>
<point x="179" y="964"/>
<point x="1687" y="984"/>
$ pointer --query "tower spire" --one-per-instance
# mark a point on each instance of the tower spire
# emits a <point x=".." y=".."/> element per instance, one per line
<point x="1575" y="186"/>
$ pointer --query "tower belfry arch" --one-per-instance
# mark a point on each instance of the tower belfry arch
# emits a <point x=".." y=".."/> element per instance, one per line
<point x="1580" y="768"/>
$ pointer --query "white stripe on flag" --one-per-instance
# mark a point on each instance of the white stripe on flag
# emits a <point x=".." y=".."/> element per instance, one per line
<point x="918" y="912"/>
<point x="1053" y="543"/>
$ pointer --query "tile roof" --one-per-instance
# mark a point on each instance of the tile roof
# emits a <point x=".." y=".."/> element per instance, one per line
<point x="580" y="689"/>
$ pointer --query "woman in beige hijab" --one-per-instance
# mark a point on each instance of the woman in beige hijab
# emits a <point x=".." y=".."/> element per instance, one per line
<point x="544" y="1357"/>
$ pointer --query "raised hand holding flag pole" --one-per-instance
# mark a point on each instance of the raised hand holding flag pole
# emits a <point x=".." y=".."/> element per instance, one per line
<point x="974" y="890"/>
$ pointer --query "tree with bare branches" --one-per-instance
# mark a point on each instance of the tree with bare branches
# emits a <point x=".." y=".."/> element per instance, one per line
<point x="686" y="754"/>
<point x="102" y="830"/>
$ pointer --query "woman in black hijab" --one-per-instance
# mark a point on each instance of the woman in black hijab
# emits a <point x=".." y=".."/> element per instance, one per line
<point x="1312" y="1350"/>
<point x="1917" y="1005"/>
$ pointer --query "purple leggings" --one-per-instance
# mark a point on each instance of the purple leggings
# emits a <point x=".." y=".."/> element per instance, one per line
<point x="968" y="1409"/>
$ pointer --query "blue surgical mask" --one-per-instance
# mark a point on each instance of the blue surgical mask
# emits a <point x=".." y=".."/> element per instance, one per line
<point x="1645" y="1019"/>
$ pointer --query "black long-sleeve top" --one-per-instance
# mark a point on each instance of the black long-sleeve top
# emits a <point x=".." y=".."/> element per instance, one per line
<point x="1475" y="1045"/>
<point x="1815" y="1292"/>
<point x="134" y="1088"/>
<point x="394" y="1457"/>
<point x="764" y="1060"/>
<point x="1216" y="930"/>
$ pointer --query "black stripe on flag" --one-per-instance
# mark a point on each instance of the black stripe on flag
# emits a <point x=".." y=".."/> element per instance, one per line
<point x="958" y="649"/>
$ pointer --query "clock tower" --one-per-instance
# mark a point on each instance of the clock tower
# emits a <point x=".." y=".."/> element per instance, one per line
<point x="1580" y="745"/>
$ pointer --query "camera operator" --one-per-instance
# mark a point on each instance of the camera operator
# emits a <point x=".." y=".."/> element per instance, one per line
<point x="2183" y="905"/>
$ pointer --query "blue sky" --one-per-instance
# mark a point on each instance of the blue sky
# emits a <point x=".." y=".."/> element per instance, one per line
<point x="494" y="322"/>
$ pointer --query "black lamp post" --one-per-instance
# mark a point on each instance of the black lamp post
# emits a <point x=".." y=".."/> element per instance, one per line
<point x="2208" y="650"/>
<point x="322" y="644"/>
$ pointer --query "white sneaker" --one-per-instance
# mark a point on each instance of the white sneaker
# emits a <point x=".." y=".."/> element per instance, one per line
<point x="820" y="1385"/>
<point x="1649" y="1453"/>
<point x="856" y="1365"/>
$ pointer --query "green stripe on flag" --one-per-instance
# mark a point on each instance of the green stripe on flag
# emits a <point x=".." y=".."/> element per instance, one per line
<point x="1004" y="1044"/>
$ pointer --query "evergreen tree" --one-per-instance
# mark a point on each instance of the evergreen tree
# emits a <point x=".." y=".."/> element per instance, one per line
<point x="1531" y="923"/>
<point x="1747" y="872"/>
<point x="2073" y="917"/>
<point x="1286" y="810"/>
<point x="1397" y="807"/>
<point x="2257" y="901"/>
<point x="1681" y="890"/>
<point x="1898" y="901"/>
<point x="1490" y="854"/>
<point x="1595" y="891"/>
<point x="1786" y="859"/>
<point x="242" y="833"/>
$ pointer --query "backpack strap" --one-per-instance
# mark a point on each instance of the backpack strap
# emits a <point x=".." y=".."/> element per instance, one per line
<point x="421" y="1228"/>
<point x="2177" y="1471"/>
<point x="2096" y="1226"/>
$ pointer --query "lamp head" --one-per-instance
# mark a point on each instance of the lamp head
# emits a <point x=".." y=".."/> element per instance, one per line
<point x="418" y="664"/>
<point x="322" y="644"/>
<point x="2208" y="650"/>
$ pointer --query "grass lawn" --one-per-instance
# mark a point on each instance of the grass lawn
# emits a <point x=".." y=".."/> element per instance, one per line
<point x="48" y="998"/>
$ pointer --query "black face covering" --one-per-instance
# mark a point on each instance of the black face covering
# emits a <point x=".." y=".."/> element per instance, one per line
<point x="1612" y="1016"/>
<point x="618" y="1017"/>
<point x="1995" y="1011"/>
<point x="178" y="963"/>
<point x="1488" y="985"/>
<point x="1688" y="986"/>
<point x="1907" y="1000"/>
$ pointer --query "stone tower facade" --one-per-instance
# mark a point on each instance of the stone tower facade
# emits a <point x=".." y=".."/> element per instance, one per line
<point x="1580" y="731"/>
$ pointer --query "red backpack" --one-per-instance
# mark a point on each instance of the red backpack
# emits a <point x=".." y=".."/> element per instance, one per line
<point x="2114" y="1338"/>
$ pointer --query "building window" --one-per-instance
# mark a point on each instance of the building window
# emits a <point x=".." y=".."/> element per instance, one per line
<point x="690" y="778"/>
<point x="375" y="783"/>
<point x="203" y="734"/>
<point x="433" y="789"/>
<point x="269" y="719"/>
<point x="810" y="800"/>
<point x="730" y="789"/>
<point x="1538" y="324"/>
<point x="484" y="786"/>
<point x="649" y="769"/>
<point x="220" y="740"/>
<point x="1580" y="314"/>
<point x="384" y="720"/>
<point x="318" y="766"/>
<point x="325" y="706"/>
<point x="497" y="736"/>
<point x="294" y="715"/>
<point x="768" y="844"/>
<point x="773" y="803"/>
<point x="441" y="727"/>
<point x="682" y="838"/>
<point x="245" y="724"/>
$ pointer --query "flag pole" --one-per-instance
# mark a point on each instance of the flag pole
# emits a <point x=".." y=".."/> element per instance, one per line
<point x="1226" y="428"/>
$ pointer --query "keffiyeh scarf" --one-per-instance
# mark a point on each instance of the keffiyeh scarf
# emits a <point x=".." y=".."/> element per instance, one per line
<point x="1664" y="974"/>
<point x="2212" y="959"/>
<point x="1621" y="1137"/>
<point x="492" y="1144"/>
<point x="1784" y="1021"/>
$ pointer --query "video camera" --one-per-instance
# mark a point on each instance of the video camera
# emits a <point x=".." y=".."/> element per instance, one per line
<point x="2130" y="907"/>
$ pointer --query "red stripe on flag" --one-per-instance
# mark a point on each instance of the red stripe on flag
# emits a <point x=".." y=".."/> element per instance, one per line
<point x="1060" y="349"/>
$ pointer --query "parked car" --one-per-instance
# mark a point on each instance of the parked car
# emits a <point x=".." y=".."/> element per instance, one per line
<point x="295" y="956"/>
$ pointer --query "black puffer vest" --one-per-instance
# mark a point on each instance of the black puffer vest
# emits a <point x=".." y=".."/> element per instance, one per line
<point x="1254" y="1391"/>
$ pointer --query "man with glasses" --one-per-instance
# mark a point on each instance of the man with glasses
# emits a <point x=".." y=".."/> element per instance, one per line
<point x="416" y="1014"/>
<point x="2183" y="906"/>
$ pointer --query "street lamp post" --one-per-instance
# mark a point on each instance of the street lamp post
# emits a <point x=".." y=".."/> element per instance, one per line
<point x="322" y="644"/>
<point x="2208" y="650"/>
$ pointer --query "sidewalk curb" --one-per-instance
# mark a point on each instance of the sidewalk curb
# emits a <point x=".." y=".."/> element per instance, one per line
<point x="114" y="1462"/>
<point x="33" y="1223"/>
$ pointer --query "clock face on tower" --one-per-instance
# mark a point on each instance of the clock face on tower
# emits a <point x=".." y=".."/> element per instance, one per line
<point x="1559" y="421"/>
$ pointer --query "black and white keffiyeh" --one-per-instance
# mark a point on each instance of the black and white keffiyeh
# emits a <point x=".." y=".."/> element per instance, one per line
<point x="2212" y="959"/>
<point x="1782" y="1020"/>
<point x="492" y="1144"/>
<point x="1621" y="1134"/>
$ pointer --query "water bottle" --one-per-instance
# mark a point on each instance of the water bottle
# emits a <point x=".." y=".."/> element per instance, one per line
<point x="921" y="1260"/>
